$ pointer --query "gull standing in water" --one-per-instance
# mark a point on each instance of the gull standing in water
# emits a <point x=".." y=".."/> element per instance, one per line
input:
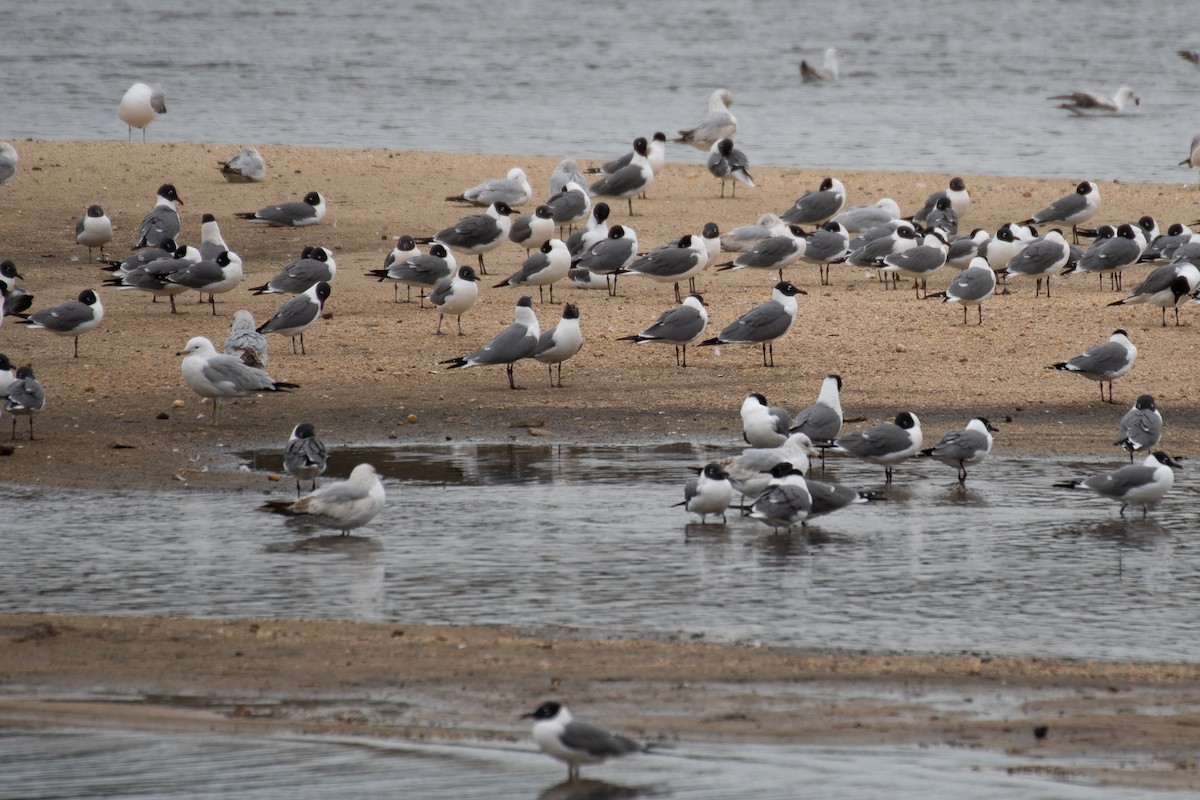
<point x="708" y="493"/>
<point x="343" y="505"/>
<point x="304" y="455"/>
<point x="1142" y="484"/>
<point x="559" y="735"/>
<point x="967" y="446"/>
<point x="139" y="106"/>
<point x="221" y="377"/>
<point x="764" y="425"/>
<point x="786" y="502"/>
<point x="1104" y="362"/>
<point x="678" y="326"/>
<point x="717" y="124"/>
<point x="519" y="340"/>
<point x="822" y="421"/>
<point x="886" y="444"/>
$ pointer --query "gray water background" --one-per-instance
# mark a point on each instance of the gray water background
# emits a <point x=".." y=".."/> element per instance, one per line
<point x="951" y="87"/>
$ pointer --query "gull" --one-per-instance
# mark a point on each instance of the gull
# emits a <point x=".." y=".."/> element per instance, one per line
<point x="404" y="249"/>
<point x="566" y="172"/>
<point x="822" y="421"/>
<point x="881" y="242"/>
<point x="342" y="505"/>
<point x="1165" y="287"/>
<point x="1193" y="159"/>
<point x="248" y="166"/>
<point x="1073" y="209"/>
<point x="1190" y="56"/>
<point x="708" y="493"/>
<point x="304" y="455"/>
<point x="827" y="245"/>
<point x="727" y="163"/>
<point x="967" y="446"/>
<point x="531" y="231"/>
<point x="519" y="340"/>
<point x="1141" y="427"/>
<point x="956" y="192"/>
<point x="141" y="258"/>
<point x="476" y="234"/>
<point x="860" y="218"/>
<point x="1142" y="484"/>
<point x="596" y="231"/>
<point x="245" y="342"/>
<point x="212" y="243"/>
<point x="750" y="470"/>
<point x="887" y="443"/>
<point x="764" y="425"/>
<point x="815" y="207"/>
<point x="73" y="318"/>
<point x="1085" y="103"/>
<point x="656" y="154"/>
<point x="1166" y="245"/>
<point x="308" y="211"/>
<point x="139" y="106"/>
<point x="672" y="263"/>
<point x="162" y="222"/>
<point x="610" y="256"/>
<point x="971" y="287"/>
<point x="1010" y="239"/>
<point x="94" y="229"/>
<point x="744" y="237"/>
<point x="16" y="298"/>
<point x="560" y="342"/>
<point x="570" y="205"/>
<point x="1112" y="255"/>
<point x="423" y="271"/>
<point x="544" y="268"/>
<point x="153" y="277"/>
<point x="942" y="218"/>
<point x="512" y="190"/>
<point x="23" y="396"/>
<point x="1104" y="362"/>
<point x="678" y="326"/>
<point x="559" y="735"/>
<point x="786" y="502"/>
<point x="917" y="262"/>
<point x="8" y="162"/>
<point x="296" y="315"/>
<point x="455" y="294"/>
<point x="633" y="178"/>
<point x="964" y="248"/>
<point x="216" y="276"/>
<point x="8" y="373"/>
<point x="718" y="123"/>
<point x="763" y="324"/>
<point x="221" y="377"/>
<point x="828" y="71"/>
<point x="775" y="252"/>
<point x="314" y="265"/>
<point x="1041" y="258"/>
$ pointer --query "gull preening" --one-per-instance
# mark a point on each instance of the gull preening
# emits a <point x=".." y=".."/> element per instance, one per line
<point x="139" y="106"/>
<point x="718" y="123"/>
<point x="245" y="342"/>
<point x="764" y="425"/>
<point x="247" y="166"/>
<point x="342" y="505"/>
<point x="729" y="164"/>
<point x="222" y="377"/>
<point x="1141" y="426"/>
<point x="304" y="455"/>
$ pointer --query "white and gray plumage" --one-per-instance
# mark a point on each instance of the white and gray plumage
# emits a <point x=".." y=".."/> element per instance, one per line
<point x="942" y="218"/>
<point x="314" y="265"/>
<point x="775" y="252"/>
<point x="23" y="396"/>
<point x="404" y="249"/>
<point x="141" y="258"/>
<point x="729" y="164"/>
<point x="681" y="260"/>
<point x="531" y="231"/>
<point x="544" y="268"/>
<point x="245" y="342"/>
<point x="1073" y="209"/>
<point x="764" y="425"/>
<point x="956" y="192"/>
<point x="247" y="166"/>
<point x="308" y="211"/>
<point x="708" y="493"/>
<point x="633" y="178"/>
<point x="16" y="298"/>
<point x="94" y="229"/>
<point x="971" y="287"/>
<point x="1010" y="239"/>
<point x="609" y="256"/>
<point x="8" y="162"/>
<point x="963" y="248"/>
<point x="560" y="342"/>
<point x="596" y="231"/>
<point x="304" y="455"/>
<point x="1104" y="362"/>
<point x="513" y="190"/>
<point x="827" y="72"/>
<point x="519" y="340"/>
<point x="827" y="245"/>
<point x="815" y="207"/>
<point x="139" y="106"/>
<point x="678" y="326"/>
<point x="718" y="123"/>
<point x="422" y="271"/>
<point x="917" y="262"/>
<point x="212" y="243"/>
<point x="969" y="445"/>
<point x="880" y="242"/>
<point x="1142" y="484"/>
<point x="571" y="205"/>
<point x="744" y="237"/>
<point x="153" y="276"/>
<point x="860" y="218"/>
<point x="1041" y="258"/>
<point x="1193" y="159"/>
<point x="1085" y="103"/>
<point x="478" y="233"/>
<point x="566" y="172"/>
<point x="217" y="276"/>
<point x="887" y="443"/>
<point x="559" y="735"/>
<point x="162" y="222"/>
<point x="750" y="470"/>
<point x="1141" y="427"/>
<point x="72" y="318"/>
<point x="1112" y="255"/>
<point x="455" y="294"/>
<point x="1166" y="245"/>
<point x="656" y="155"/>
<point x="8" y="373"/>
<point x="822" y="421"/>
<point x="342" y="505"/>
<point x="829" y="497"/>
<point x="786" y="502"/>
<point x="222" y="377"/>
<point x="298" y="314"/>
<point x="1166" y="287"/>
<point x="763" y="324"/>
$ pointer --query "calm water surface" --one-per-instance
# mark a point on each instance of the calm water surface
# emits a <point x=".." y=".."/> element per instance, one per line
<point x="954" y="87"/>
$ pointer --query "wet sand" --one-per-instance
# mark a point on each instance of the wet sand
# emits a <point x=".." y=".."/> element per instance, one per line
<point x="120" y="415"/>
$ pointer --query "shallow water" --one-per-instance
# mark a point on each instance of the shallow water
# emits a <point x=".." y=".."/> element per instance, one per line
<point x="951" y="87"/>
<point x="52" y="764"/>
<point x="587" y="537"/>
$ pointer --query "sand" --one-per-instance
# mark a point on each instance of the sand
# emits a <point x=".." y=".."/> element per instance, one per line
<point x="120" y="415"/>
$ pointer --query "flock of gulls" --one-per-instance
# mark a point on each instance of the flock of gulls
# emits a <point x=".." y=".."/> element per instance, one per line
<point x="570" y="239"/>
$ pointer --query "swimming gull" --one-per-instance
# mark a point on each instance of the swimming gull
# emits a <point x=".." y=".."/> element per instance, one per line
<point x="342" y="505"/>
<point x="72" y="318"/>
<point x="1142" y="484"/>
<point x="139" y="106"/>
<point x="519" y="340"/>
<point x="221" y="377"/>
<point x="308" y="211"/>
<point x="560" y="342"/>
<point x="298" y="314"/>
<point x="969" y="445"/>
<point x="717" y="124"/>
<point x="1104" y="362"/>
<point x="828" y="71"/>
<point x="763" y="324"/>
<point x="304" y="455"/>
<point x="678" y="326"/>
<point x="559" y="735"/>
